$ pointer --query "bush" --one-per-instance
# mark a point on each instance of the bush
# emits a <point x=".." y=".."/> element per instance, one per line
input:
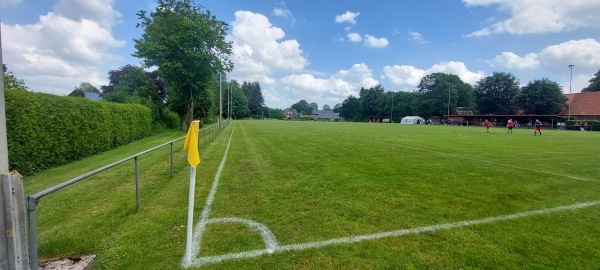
<point x="170" y="119"/>
<point x="45" y="131"/>
<point x="592" y="125"/>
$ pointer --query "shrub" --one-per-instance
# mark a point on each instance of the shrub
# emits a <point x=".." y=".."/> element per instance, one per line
<point x="45" y="131"/>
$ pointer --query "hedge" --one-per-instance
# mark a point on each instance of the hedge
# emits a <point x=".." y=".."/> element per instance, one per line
<point x="45" y="131"/>
<point x="592" y="125"/>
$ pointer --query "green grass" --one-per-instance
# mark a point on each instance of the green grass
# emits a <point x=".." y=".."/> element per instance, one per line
<point x="316" y="181"/>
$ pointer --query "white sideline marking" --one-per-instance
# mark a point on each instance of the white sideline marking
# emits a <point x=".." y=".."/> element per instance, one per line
<point x="201" y="225"/>
<point x="354" y="239"/>
<point x="271" y="245"/>
<point x="505" y="165"/>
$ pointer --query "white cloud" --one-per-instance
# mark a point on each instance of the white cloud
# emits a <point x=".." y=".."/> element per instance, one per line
<point x="64" y="48"/>
<point x="418" y="37"/>
<point x="513" y="61"/>
<point x="354" y="37"/>
<point x="284" y="12"/>
<point x="533" y="16"/>
<point x="258" y="49"/>
<point x="374" y="42"/>
<point x="411" y="76"/>
<point x="348" y="17"/>
<point x="584" y="53"/>
<point x="332" y="90"/>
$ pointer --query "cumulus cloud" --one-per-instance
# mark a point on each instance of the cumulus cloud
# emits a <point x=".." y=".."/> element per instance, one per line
<point x="374" y="42"/>
<point x="411" y="76"/>
<point x="348" y="17"/>
<point x="354" y="37"/>
<point x="258" y="47"/>
<point x="332" y="90"/>
<point x="418" y="37"/>
<point x="65" y="47"/>
<point x="532" y="16"/>
<point x="585" y="53"/>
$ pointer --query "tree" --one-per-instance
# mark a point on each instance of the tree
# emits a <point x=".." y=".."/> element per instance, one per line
<point x="403" y="104"/>
<point x="495" y="94"/>
<point x="84" y="87"/>
<point x="373" y="102"/>
<point x="337" y="108"/>
<point x="239" y="102"/>
<point x="541" y="97"/>
<point x="255" y="98"/>
<point x="440" y="93"/>
<point x="302" y="107"/>
<point x="351" y="109"/>
<point x="188" y="46"/>
<point x="11" y="81"/>
<point x="594" y="84"/>
<point x="313" y="106"/>
<point x="276" y="113"/>
<point x="326" y="107"/>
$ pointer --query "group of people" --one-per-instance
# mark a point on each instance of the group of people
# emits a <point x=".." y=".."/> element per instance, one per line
<point x="511" y="124"/>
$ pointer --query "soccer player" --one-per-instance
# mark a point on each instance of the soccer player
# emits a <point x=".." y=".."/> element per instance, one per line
<point x="487" y="125"/>
<point x="538" y="127"/>
<point x="510" y="126"/>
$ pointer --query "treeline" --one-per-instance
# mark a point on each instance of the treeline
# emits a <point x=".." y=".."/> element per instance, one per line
<point x="439" y="94"/>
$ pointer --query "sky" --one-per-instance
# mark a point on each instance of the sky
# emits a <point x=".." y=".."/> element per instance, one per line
<point x="318" y="51"/>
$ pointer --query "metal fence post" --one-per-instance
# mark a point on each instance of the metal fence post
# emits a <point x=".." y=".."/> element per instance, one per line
<point x="171" y="159"/>
<point x="13" y="246"/>
<point x="137" y="185"/>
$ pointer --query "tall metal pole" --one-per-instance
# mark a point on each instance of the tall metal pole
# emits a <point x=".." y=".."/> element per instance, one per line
<point x="220" y="100"/>
<point x="392" y="110"/>
<point x="570" y="80"/>
<point x="3" y="143"/>
<point x="449" y="99"/>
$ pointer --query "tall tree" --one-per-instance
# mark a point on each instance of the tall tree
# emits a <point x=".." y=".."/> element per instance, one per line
<point x="495" y="94"/>
<point x="440" y="94"/>
<point x="373" y="102"/>
<point x="351" y="109"/>
<point x="337" y="107"/>
<point x="11" y="81"/>
<point x="84" y="87"/>
<point x="403" y="104"/>
<point x="541" y="97"/>
<point x="313" y="106"/>
<point x="302" y="107"/>
<point x="188" y="46"/>
<point x="594" y="84"/>
<point x="255" y="98"/>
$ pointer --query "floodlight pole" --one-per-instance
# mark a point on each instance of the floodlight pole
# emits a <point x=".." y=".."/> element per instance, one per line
<point x="392" y="110"/>
<point x="3" y="142"/>
<point x="449" y="99"/>
<point x="220" y="99"/>
<point x="570" y="80"/>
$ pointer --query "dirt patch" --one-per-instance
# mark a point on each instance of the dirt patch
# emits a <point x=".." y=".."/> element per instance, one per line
<point x="73" y="263"/>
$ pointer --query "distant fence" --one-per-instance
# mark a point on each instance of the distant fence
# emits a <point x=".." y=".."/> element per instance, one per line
<point x="205" y="136"/>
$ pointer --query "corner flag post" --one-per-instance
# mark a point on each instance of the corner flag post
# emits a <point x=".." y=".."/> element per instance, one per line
<point x="191" y="145"/>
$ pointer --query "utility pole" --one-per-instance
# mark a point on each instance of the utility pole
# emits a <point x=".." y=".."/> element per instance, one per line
<point x="570" y="80"/>
<point x="392" y="110"/>
<point x="220" y="99"/>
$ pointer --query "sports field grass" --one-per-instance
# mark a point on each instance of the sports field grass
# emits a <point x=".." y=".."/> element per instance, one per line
<point x="346" y="195"/>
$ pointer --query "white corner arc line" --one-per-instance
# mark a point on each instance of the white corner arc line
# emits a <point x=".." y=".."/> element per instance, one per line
<point x="267" y="235"/>
<point x="355" y="239"/>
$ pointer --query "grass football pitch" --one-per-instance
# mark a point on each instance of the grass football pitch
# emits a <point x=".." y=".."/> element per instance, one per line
<point x="324" y="195"/>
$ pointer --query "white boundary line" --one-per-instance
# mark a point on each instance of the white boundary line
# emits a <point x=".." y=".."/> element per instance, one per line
<point x="354" y="239"/>
<point x="502" y="164"/>
<point x="271" y="245"/>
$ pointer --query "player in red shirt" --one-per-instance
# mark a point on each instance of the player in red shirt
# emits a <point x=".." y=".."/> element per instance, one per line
<point x="510" y="125"/>
<point x="538" y="127"/>
<point x="487" y="125"/>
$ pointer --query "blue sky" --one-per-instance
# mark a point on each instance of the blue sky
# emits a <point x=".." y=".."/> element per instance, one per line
<point x="319" y="51"/>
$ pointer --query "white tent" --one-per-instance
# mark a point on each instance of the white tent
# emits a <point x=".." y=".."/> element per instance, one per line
<point x="412" y="120"/>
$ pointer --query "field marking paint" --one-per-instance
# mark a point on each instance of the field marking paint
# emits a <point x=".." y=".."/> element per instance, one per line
<point x="355" y="239"/>
<point x="267" y="235"/>
<point x="201" y="225"/>
<point x="502" y="164"/>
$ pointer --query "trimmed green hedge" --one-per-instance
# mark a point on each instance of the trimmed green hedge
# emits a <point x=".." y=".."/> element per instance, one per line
<point x="45" y="130"/>
<point x="592" y="125"/>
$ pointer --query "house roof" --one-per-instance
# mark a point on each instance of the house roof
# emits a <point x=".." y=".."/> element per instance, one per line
<point x="587" y="103"/>
<point x="326" y="114"/>
<point x="92" y="96"/>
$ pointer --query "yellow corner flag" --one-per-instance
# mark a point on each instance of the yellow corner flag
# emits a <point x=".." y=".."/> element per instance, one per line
<point x="191" y="144"/>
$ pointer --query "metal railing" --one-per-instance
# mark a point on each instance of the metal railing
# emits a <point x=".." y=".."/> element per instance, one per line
<point x="209" y="133"/>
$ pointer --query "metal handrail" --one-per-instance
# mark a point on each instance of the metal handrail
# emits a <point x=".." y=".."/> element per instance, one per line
<point x="33" y="200"/>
